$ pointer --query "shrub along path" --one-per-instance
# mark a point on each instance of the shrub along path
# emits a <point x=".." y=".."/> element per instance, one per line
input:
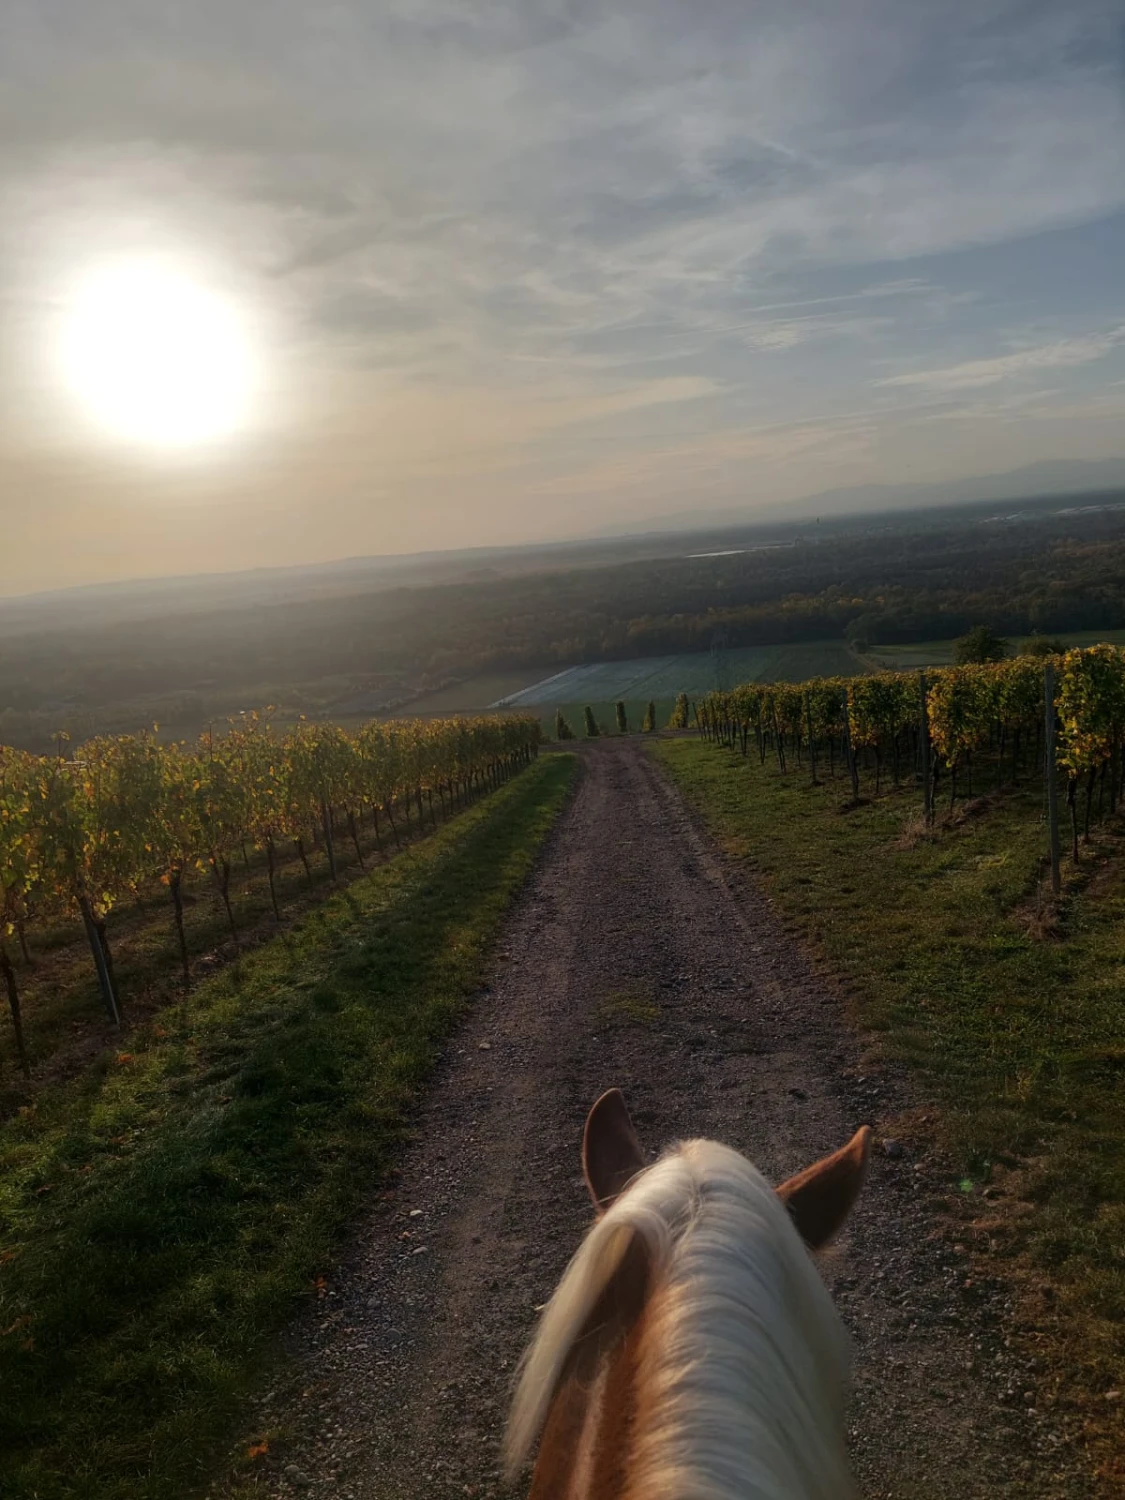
<point x="633" y="960"/>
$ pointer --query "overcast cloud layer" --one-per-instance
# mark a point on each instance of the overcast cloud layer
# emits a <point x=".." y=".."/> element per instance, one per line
<point x="529" y="270"/>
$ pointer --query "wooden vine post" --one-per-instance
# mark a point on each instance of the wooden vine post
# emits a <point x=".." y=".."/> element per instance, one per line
<point x="101" y="968"/>
<point x="924" y="738"/>
<point x="1050" y="771"/>
<point x="812" y="738"/>
<point x="849" y="748"/>
<point x="14" y="1008"/>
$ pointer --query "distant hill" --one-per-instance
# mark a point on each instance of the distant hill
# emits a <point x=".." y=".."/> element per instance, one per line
<point x="141" y="598"/>
<point x="1057" y="477"/>
<point x="732" y="527"/>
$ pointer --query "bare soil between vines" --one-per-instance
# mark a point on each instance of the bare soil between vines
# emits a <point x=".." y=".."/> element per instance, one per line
<point x="636" y="958"/>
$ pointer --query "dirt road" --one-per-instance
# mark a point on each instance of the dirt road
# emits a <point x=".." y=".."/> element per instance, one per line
<point x="631" y="960"/>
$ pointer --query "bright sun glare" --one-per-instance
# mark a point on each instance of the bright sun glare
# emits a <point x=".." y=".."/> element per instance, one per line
<point x="156" y="358"/>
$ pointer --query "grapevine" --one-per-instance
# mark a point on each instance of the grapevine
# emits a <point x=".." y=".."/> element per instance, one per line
<point x="994" y="712"/>
<point x="83" y="831"/>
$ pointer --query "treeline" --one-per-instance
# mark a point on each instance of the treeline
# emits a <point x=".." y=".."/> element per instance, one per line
<point x="895" y="581"/>
<point x="982" y="724"/>
<point x="83" y="832"/>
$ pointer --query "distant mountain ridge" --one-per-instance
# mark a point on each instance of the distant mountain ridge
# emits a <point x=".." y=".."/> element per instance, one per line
<point x="1048" y="477"/>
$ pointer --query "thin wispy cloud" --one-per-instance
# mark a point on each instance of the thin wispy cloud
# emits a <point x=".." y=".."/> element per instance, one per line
<point x="687" y="221"/>
<point x="1062" y="354"/>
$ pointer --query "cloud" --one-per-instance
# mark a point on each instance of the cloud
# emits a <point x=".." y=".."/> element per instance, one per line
<point x="716" y="458"/>
<point x="1036" y="408"/>
<point x="550" y="234"/>
<point x="641" y="155"/>
<point x="597" y="408"/>
<point x="1060" y="355"/>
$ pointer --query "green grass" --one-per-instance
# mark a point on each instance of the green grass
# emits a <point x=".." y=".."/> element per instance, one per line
<point x="694" y="672"/>
<point x="605" y="712"/>
<point x="940" y="653"/>
<point x="1020" y="1037"/>
<point x="628" y="1005"/>
<point x="475" y="694"/>
<point x="164" y="1211"/>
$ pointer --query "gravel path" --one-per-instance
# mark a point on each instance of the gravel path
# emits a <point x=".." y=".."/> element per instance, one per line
<point x="633" y="960"/>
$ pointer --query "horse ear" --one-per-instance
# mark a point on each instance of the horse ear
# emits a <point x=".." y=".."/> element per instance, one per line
<point x="821" y="1197"/>
<point x="611" y="1152"/>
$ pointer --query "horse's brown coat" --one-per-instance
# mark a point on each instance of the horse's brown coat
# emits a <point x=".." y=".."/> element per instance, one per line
<point x="586" y="1445"/>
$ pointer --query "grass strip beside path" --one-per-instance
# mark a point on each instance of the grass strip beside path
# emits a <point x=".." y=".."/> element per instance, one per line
<point x="1016" y="1023"/>
<point x="162" y="1214"/>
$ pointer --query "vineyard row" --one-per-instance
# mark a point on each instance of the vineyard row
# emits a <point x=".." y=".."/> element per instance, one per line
<point x="1004" y="714"/>
<point x="83" y="831"/>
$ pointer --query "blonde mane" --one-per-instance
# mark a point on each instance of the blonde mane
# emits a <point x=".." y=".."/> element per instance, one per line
<point x="746" y="1358"/>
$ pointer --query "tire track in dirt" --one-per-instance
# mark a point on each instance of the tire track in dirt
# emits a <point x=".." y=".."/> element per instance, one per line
<point x="630" y="960"/>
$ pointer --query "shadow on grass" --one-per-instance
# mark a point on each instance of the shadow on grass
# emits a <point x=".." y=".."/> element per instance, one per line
<point x="160" y="1217"/>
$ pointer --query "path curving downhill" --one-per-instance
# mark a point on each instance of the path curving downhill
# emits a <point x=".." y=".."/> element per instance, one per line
<point x="632" y="960"/>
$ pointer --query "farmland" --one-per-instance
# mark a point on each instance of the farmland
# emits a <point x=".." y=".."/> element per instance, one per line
<point x="600" y="686"/>
<point x="267" y="1110"/>
<point x="475" y="694"/>
<point x="362" y="640"/>
<point x="175" y="1189"/>
<point x="941" y="653"/>
<point x="694" y="672"/>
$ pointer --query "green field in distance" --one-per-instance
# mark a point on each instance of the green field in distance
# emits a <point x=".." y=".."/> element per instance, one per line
<point x="660" y="678"/>
<point x="695" y="672"/>
<point x="940" y="653"/>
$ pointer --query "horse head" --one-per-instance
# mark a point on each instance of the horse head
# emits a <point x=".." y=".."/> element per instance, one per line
<point x="691" y="1346"/>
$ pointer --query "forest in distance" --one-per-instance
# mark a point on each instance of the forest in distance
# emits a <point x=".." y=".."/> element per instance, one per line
<point x="381" y="641"/>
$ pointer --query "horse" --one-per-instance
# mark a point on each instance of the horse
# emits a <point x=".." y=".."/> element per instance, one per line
<point x="691" y="1350"/>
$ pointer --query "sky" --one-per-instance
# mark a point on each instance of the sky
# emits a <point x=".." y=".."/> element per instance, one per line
<point x="511" y="272"/>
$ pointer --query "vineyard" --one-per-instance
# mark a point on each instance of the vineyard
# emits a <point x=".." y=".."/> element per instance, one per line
<point x="983" y="727"/>
<point x="87" y="832"/>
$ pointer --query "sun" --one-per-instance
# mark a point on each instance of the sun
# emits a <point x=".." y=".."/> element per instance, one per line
<point x="157" y="358"/>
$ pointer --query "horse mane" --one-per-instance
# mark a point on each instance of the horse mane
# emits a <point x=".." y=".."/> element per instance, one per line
<point x="745" y="1358"/>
